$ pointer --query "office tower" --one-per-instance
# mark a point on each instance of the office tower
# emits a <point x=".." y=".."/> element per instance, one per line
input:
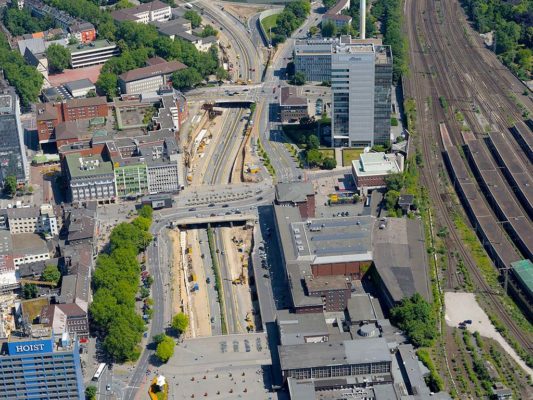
<point x="12" y="153"/>
<point x="38" y="369"/>
<point x="361" y="79"/>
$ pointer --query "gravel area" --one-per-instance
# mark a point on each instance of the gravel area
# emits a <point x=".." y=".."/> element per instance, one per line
<point x="463" y="306"/>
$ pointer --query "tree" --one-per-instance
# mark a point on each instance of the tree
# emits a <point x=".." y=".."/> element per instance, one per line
<point x="314" y="158"/>
<point x="91" y="93"/>
<point x="391" y="199"/>
<point x="221" y="74"/>
<point x="180" y="322"/>
<point x="10" y="185"/>
<point x="121" y="4"/>
<point x="29" y="291"/>
<point x="58" y="57"/>
<point x="416" y="318"/>
<point x="395" y="181"/>
<point x="186" y="78"/>
<point x="107" y="83"/>
<point x="313" y="30"/>
<point x="142" y="223"/>
<point x="329" y="29"/>
<point x="194" y="17"/>
<point x="329" y="163"/>
<point x="146" y="212"/>
<point x="165" y="348"/>
<point x="51" y="274"/>
<point x="313" y="142"/>
<point x="90" y="393"/>
<point x="299" y="79"/>
<point x="208" y="31"/>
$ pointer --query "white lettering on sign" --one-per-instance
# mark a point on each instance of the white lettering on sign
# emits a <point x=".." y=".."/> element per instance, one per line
<point x="30" y="347"/>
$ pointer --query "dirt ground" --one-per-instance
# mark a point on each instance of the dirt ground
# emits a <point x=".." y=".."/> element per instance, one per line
<point x="200" y="298"/>
<point x="69" y="75"/>
<point x="199" y="165"/>
<point x="463" y="306"/>
<point x="243" y="11"/>
<point x="179" y="294"/>
<point x="235" y="261"/>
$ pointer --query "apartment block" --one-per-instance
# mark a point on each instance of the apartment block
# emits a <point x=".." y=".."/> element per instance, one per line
<point x="155" y="11"/>
<point x="33" y="220"/>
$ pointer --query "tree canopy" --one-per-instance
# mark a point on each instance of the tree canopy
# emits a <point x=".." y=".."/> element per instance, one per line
<point x="51" y="274"/>
<point x="58" y="57"/>
<point x="10" y="185"/>
<point x="329" y="29"/>
<point x="416" y="317"/>
<point x="298" y="79"/>
<point x="20" y="22"/>
<point x="29" y="291"/>
<point x="194" y="17"/>
<point x="180" y="322"/>
<point x="165" y="347"/>
<point x="116" y="283"/>
<point x="292" y="16"/>
<point x="90" y="392"/>
<point x="186" y="79"/>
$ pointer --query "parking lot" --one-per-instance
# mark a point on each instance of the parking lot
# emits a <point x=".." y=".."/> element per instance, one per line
<point x="225" y="367"/>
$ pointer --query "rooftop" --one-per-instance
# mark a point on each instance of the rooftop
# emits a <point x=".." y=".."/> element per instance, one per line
<point x="25" y="244"/>
<point x="371" y="164"/>
<point x="289" y="97"/>
<point x="79" y="167"/>
<point x="94" y="45"/>
<point x="361" y="308"/>
<point x="523" y="270"/>
<point x="330" y="282"/>
<point x="79" y="84"/>
<point x="165" y="68"/>
<point x="294" y="192"/>
<point x="400" y="257"/>
<point x="295" y="328"/>
<point x="347" y="352"/>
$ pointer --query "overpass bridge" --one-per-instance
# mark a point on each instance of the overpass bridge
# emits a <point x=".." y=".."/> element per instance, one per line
<point x="214" y="219"/>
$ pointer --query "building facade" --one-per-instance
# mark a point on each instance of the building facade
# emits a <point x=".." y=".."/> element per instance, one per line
<point x="41" y="369"/>
<point x="292" y="106"/>
<point x="131" y="180"/>
<point x="155" y="11"/>
<point x="370" y="171"/>
<point x="97" y="52"/>
<point x="150" y="78"/>
<point x="33" y="220"/>
<point x="89" y="178"/>
<point x="312" y="57"/>
<point x="12" y="151"/>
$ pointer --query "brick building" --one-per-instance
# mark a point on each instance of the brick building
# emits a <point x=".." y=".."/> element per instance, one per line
<point x="370" y="171"/>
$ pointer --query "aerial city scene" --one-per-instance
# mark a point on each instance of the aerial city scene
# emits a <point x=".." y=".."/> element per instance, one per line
<point x="266" y="199"/>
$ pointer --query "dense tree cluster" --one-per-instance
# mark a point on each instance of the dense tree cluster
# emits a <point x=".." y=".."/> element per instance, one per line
<point x="25" y="78"/>
<point x="292" y="16"/>
<point x="512" y="22"/>
<point x="51" y="274"/>
<point x="416" y="317"/>
<point x="165" y="347"/>
<point x="58" y="57"/>
<point x="389" y="12"/>
<point x="115" y="284"/>
<point x="194" y="17"/>
<point x="20" y="22"/>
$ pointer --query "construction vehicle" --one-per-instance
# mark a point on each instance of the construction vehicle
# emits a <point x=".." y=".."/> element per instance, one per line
<point x="250" y="324"/>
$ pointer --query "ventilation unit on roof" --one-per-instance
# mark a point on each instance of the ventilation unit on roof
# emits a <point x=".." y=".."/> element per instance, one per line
<point x="296" y="230"/>
<point x="315" y="228"/>
<point x="301" y="248"/>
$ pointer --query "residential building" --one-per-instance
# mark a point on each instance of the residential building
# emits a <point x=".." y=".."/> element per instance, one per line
<point x="29" y="248"/>
<point x="174" y="27"/>
<point x="89" y="178"/>
<point x="33" y="220"/>
<point x="150" y="78"/>
<point x="12" y="151"/>
<point x="94" y="53"/>
<point x="292" y="106"/>
<point x="144" y="13"/>
<point x="62" y="318"/>
<point x="361" y="83"/>
<point x="201" y="44"/>
<point x="334" y="14"/>
<point x="83" y="31"/>
<point x="50" y="115"/>
<point x="370" y="171"/>
<point x="50" y="367"/>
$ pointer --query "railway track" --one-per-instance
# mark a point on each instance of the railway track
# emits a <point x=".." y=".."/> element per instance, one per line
<point x="448" y="67"/>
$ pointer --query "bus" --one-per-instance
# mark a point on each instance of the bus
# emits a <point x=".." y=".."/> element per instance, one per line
<point x="99" y="371"/>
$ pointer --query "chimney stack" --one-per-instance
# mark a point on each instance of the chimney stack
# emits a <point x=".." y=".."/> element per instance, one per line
<point x="362" y="15"/>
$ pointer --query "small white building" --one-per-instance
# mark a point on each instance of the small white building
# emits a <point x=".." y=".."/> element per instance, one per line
<point x="370" y="170"/>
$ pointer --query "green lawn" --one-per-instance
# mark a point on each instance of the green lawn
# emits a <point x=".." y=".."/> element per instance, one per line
<point x="350" y="154"/>
<point x="269" y="22"/>
<point x="327" y="153"/>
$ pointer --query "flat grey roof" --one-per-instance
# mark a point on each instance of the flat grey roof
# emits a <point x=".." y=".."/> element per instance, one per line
<point x="79" y="84"/>
<point x="400" y="257"/>
<point x="361" y="308"/>
<point x="294" y="328"/>
<point x="29" y="244"/>
<point x="348" y="352"/>
<point x="295" y="192"/>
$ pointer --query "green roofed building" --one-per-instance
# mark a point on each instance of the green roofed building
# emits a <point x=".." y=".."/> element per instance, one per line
<point x="132" y="180"/>
<point x="522" y="272"/>
<point x="89" y="178"/>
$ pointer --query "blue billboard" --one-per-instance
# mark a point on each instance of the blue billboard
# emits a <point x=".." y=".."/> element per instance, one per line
<point x="30" y="347"/>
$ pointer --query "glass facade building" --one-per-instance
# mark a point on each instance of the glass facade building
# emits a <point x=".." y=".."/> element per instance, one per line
<point x="43" y="369"/>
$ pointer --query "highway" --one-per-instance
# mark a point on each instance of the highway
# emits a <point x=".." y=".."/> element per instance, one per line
<point x="158" y="257"/>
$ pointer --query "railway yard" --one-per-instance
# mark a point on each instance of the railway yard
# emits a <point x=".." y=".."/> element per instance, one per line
<point x="469" y="112"/>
